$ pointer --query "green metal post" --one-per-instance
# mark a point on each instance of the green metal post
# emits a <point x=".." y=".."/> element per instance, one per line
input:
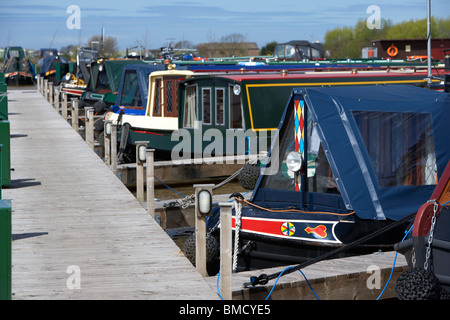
<point x="5" y="250"/>
<point x="5" y="140"/>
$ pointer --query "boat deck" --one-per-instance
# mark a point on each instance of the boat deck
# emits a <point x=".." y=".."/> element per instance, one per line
<point x="78" y="233"/>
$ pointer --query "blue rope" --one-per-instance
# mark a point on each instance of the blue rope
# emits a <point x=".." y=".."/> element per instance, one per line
<point x="217" y="285"/>
<point x="170" y="187"/>
<point x="273" y="287"/>
<point x="393" y="265"/>
<point x="309" y="285"/>
<point x="395" y="258"/>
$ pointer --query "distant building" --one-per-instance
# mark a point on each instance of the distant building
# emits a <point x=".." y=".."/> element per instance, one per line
<point x="410" y="47"/>
<point x="228" y="49"/>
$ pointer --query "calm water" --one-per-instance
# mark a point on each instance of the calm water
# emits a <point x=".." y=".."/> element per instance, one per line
<point x="185" y="188"/>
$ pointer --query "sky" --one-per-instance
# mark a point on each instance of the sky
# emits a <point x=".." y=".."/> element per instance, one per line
<point x="49" y="23"/>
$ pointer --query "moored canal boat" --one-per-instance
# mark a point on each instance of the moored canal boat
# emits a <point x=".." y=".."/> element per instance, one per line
<point x="427" y="248"/>
<point x="350" y="161"/>
<point x="17" y="68"/>
<point x="243" y="105"/>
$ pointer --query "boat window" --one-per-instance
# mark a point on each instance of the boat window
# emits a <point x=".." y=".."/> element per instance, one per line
<point x="170" y="98"/>
<point x="284" y="51"/>
<point x="220" y="106"/>
<point x="190" y="103"/>
<point x="157" y="104"/>
<point x="319" y="175"/>
<point x="303" y="52"/>
<point x="400" y="147"/>
<point x="315" y="54"/>
<point x="14" y="53"/>
<point x="278" y="51"/>
<point x="235" y="110"/>
<point x="206" y="103"/>
<point x="130" y="90"/>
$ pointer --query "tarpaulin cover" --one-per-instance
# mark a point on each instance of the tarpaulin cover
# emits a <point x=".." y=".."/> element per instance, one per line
<point x="142" y="71"/>
<point x="386" y="146"/>
<point x="114" y="69"/>
<point x="367" y="127"/>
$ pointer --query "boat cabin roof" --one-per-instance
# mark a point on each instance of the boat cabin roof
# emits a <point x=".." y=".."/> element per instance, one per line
<point x="316" y="75"/>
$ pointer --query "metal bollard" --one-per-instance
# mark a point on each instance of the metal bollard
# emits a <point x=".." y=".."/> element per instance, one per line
<point x="201" y="211"/>
<point x="141" y="158"/>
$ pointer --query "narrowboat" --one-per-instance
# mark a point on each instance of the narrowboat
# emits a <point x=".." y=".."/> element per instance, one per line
<point x="17" y="68"/>
<point x="298" y="50"/>
<point x="347" y="162"/>
<point x="77" y="76"/>
<point x="427" y="248"/>
<point x="104" y="81"/>
<point x="133" y="88"/>
<point x="49" y="59"/>
<point x="238" y="107"/>
<point x="154" y="121"/>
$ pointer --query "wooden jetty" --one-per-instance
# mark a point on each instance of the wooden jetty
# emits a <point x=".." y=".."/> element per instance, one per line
<point x="78" y="233"/>
<point x="353" y="278"/>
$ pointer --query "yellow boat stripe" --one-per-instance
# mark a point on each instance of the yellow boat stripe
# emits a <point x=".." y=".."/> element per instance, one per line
<point x="317" y="84"/>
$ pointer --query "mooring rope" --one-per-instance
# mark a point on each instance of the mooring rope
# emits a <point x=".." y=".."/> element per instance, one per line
<point x="188" y="200"/>
<point x="238" y="210"/>
<point x="264" y="278"/>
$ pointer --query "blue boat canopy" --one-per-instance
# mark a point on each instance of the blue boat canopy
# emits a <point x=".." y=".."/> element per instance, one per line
<point x="376" y="150"/>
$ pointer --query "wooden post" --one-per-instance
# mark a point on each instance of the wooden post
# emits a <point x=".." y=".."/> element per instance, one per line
<point x="226" y="250"/>
<point x="150" y="182"/>
<point x="56" y="98"/>
<point x="200" y="231"/>
<point x="141" y="158"/>
<point x="107" y="135"/>
<point x="46" y="89"/>
<point x="75" y="114"/>
<point x="50" y="93"/>
<point x="114" y="147"/>
<point x="38" y="83"/>
<point x="64" y="106"/>
<point x="41" y="85"/>
<point x="89" y="126"/>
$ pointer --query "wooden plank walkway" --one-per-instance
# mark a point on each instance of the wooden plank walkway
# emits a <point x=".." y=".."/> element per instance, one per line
<point x="73" y="220"/>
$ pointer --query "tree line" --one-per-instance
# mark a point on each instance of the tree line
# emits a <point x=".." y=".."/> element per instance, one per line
<point x="340" y="42"/>
<point x="347" y="42"/>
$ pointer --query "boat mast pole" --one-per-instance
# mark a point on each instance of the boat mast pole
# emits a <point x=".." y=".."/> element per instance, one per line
<point x="429" y="39"/>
